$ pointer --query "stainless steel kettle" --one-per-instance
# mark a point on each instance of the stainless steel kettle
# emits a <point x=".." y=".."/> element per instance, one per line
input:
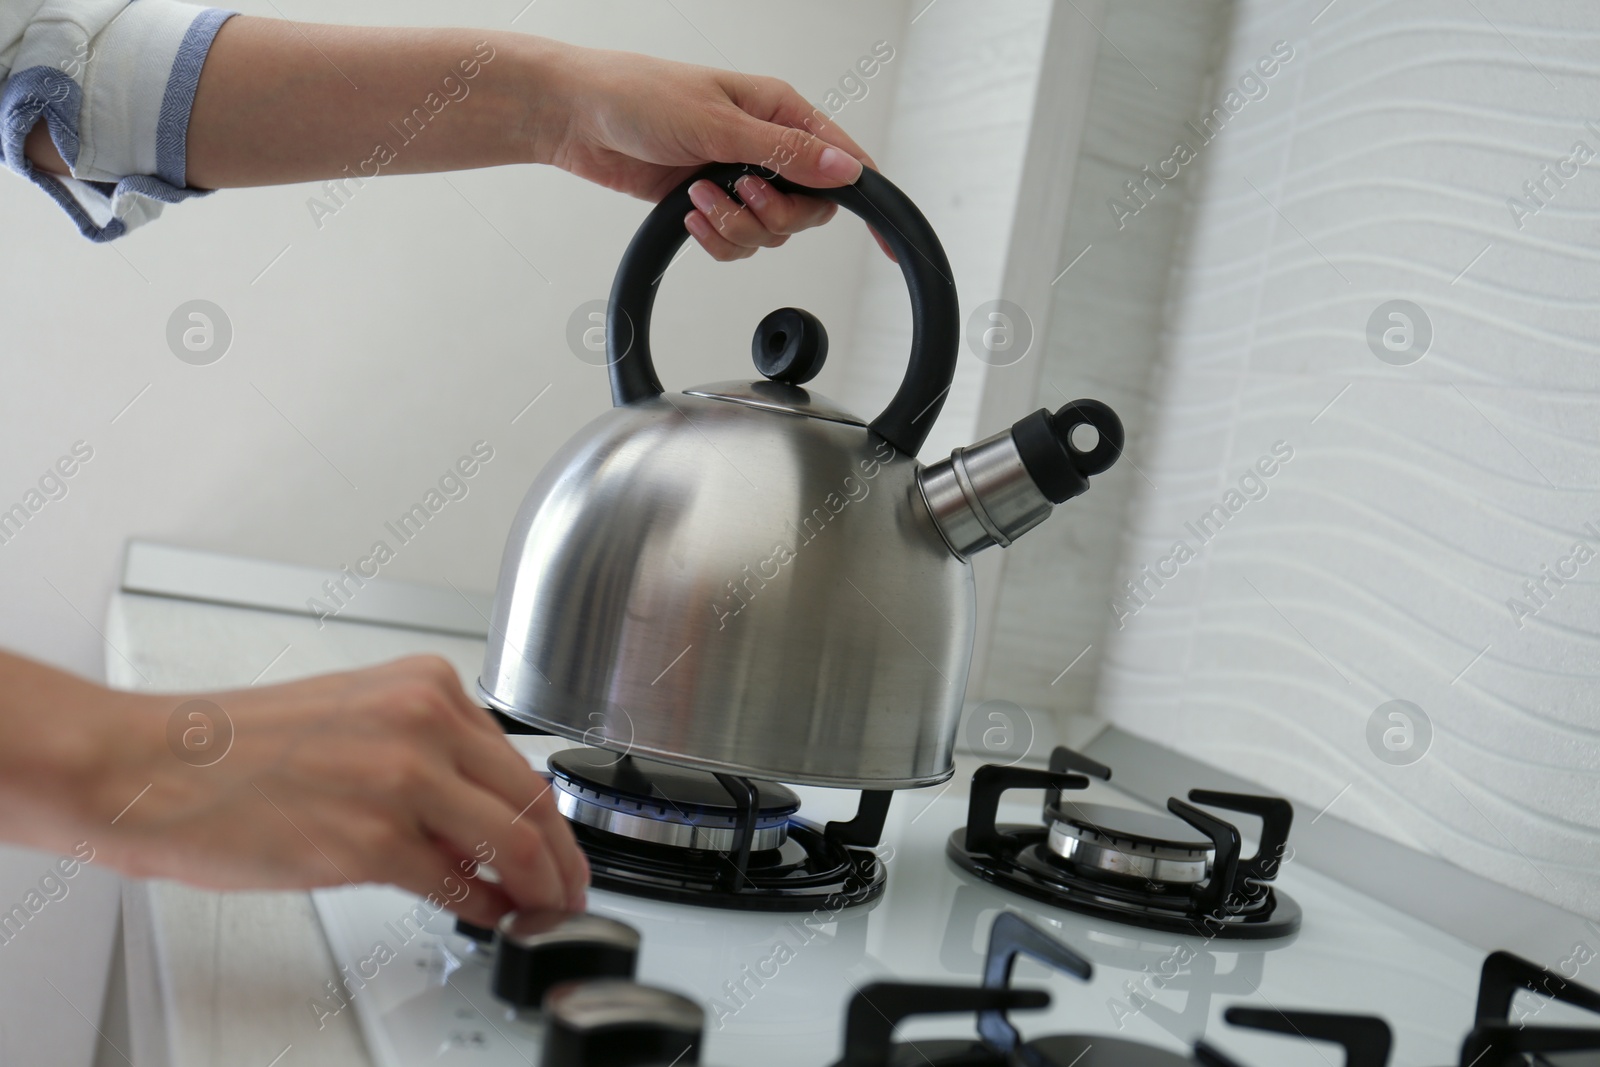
<point x="742" y="577"/>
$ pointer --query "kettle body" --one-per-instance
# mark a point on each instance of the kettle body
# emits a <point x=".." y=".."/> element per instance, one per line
<point x="743" y="578"/>
<point x="684" y="583"/>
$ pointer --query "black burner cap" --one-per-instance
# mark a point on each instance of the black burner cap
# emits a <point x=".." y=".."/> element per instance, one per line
<point x="1126" y="824"/>
<point x="654" y="783"/>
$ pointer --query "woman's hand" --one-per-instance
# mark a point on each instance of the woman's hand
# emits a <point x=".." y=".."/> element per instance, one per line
<point x="388" y="774"/>
<point x="642" y="125"/>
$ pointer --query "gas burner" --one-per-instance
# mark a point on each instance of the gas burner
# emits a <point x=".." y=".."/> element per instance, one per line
<point x="1179" y="872"/>
<point x="718" y="840"/>
<point x="664" y="805"/>
<point x="1145" y="846"/>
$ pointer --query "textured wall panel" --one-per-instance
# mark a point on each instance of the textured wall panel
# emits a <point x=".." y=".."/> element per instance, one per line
<point x="1376" y="563"/>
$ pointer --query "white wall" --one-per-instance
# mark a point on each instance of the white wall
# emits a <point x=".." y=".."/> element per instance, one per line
<point x="377" y="350"/>
<point x="962" y="117"/>
<point x="985" y="137"/>
<point x="1098" y="310"/>
<point x="1419" y="498"/>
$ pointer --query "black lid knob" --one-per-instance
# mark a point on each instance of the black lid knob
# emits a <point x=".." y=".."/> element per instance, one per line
<point x="790" y="345"/>
<point x="1056" y="464"/>
<point x="615" y="1023"/>
<point x="541" y="949"/>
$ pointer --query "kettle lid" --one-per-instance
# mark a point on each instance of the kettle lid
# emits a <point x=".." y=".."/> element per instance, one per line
<point x="778" y="396"/>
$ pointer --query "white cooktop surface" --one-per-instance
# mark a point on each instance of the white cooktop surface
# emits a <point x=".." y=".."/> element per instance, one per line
<point x="431" y="1003"/>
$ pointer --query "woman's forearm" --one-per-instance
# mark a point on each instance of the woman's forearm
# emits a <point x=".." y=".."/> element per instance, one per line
<point x="281" y="102"/>
<point x="286" y="102"/>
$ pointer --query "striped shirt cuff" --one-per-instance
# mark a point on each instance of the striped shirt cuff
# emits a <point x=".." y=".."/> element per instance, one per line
<point x="116" y="100"/>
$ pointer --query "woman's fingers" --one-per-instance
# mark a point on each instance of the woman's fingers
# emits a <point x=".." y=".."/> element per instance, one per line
<point x="433" y="871"/>
<point x="792" y="109"/>
<point x="733" y="220"/>
<point x="482" y="884"/>
<point x="426" y="779"/>
<point x="558" y="835"/>
<point x="713" y="242"/>
<point x="782" y="213"/>
<point x="792" y="151"/>
<point x="500" y="768"/>
<point x="743" y="226"/>
<point x="468" y="818"/>
<point x="778" y="130"/>
<point x="787" y="213"/>
<point x="792" y="136"/>
<point x="482" y="756"/>
<point x="762" y="217"/>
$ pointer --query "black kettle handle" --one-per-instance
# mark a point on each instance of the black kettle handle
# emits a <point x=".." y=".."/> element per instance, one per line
<point x="935" y="318"/>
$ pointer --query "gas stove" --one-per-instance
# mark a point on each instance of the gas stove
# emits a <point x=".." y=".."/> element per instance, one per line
<point x="1180" y="872"/>
<point x="765" y="960"/>
<point x="773" y="987"/>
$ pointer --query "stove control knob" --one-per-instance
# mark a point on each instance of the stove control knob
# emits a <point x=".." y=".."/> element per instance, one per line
<point x="616" y="1023"/>
<point x="481" y="936"/>
<point x="540" y="949"/>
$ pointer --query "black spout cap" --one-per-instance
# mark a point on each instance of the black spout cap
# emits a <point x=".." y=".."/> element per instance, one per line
<point x="1058" y="467"/>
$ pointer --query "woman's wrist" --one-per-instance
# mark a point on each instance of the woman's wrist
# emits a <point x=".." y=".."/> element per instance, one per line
<point x="115" y="735"/>
<point x="540" y="71"/>
<point x="69" y="743"/>
<point x="129" y="738"/>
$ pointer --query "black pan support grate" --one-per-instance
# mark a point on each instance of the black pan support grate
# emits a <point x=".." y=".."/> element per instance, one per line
<point x="1236" y="899"/>
<point x="832" y="865"/>
<point x="863" y="831"/>
<point x="1496" y="1040"/>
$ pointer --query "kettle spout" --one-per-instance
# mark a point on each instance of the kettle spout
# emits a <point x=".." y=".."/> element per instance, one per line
<point x="995" y="491"/>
